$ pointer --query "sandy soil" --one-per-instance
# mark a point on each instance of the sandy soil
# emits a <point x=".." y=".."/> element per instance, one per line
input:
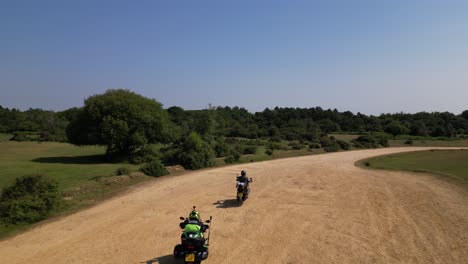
<point x="313" y="209"/>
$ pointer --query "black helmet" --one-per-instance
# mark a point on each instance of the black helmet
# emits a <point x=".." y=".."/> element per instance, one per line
<point x="243" y="173"/>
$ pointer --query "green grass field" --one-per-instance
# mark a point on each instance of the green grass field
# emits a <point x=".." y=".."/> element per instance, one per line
<point x="82" y="172"/>
<point x="450" y="164"/>
<point x="5" y="137"/>
<point x="430" y="143"/>
<point x="68" y="164"/>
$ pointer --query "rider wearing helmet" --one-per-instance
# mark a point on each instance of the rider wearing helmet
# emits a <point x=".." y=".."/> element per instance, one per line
<point x="193" y="223"/>
<point x="243" y="178"/>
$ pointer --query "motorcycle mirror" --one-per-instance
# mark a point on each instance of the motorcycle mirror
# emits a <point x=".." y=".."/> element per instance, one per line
<point x="181" y="218"/>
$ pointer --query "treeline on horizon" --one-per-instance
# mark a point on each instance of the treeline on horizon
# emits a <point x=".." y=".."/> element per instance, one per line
<point x="283" y="123"/>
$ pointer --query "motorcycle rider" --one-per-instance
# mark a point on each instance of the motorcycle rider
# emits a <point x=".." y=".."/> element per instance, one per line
<point x="194" y="224"/>
<point x="244" y="179"/>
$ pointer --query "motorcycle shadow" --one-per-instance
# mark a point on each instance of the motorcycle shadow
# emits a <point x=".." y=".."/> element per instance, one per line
<point x="168" y="259"/>
<point x="227" y="203"/>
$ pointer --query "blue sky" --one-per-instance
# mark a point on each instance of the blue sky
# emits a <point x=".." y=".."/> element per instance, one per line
<point x="363" y="56"/>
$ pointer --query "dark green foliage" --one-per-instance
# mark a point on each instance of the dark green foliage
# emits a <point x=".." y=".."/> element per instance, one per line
<point x="314" y="145"/>
<point x="121" y="120"/>
<point x="331" y="148"/>
<point x="409" y="142"/>
<point x="154" y="168"/>
<point x="343" y="144"/>
<point x="122" y="171"/>
<point x="221" y="148"/>
<point x="249" y="150"/>
<point x="29" y="199"/>
<point x="269" y="152"/>
<point x="233" y="156"/>
<point x="143" y="155"/>
<point x="365" y="141"/>
<point x="20" y="137"/>
<point x="296" y="145"/>
<point x="192" y="152"/>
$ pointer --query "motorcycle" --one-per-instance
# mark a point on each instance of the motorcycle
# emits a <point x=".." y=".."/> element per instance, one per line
<point x="242" y="190"/>
<point x="194" y="247"/>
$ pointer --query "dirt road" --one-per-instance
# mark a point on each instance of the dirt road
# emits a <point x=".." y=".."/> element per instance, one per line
<point x="313" y="209"/>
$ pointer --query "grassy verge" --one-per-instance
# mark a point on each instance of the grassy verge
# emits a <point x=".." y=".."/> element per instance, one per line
<point x="429" y="143"/>
<point x="83" y="174"/>
<point x="5" y="137"/>
<point x="448" y="164"/>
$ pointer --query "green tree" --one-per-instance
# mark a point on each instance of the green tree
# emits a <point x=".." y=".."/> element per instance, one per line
<point x="121" y="120"/>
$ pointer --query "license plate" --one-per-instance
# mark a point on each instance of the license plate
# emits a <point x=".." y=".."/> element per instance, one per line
<point x="240" y="195"/>
<point x="190" y="257"/>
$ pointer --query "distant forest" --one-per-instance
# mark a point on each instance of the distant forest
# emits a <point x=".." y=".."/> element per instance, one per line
<point x="283" y="123"/>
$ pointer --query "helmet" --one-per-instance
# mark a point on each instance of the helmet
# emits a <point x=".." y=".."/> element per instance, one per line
<point x="194" y="215"/>
<point x="243" y="173"/>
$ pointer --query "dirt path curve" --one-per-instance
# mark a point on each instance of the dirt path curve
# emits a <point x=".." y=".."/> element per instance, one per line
<point x="313" y="209"/>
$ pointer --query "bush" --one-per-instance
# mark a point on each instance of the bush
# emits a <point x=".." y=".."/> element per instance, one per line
<point x="383" y="142"/>
<point x="296" y="146"/>
<point x="343" y="144"/>
<point x="269" y="152"/>
<point x="250" y="150"/>
<point x="221" y="148"/>
<point x="29" y="200"/>
<point x="143" y="155"/>
<point x="331" y="148"/>
<point x="20" y="137"/>
<point x="409" y="142"/>
<point x="154" y="168"/>
<point x="366" y="141"/>
<point x="194" y="153"/>
<point x="122" y="171"/>
<point x="314" y="146"/>
<point x="232" y="157"/>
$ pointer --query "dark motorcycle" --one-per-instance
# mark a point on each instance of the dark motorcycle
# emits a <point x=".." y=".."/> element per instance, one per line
<point x="243" y="189"/>
<point x="194" y="247"/>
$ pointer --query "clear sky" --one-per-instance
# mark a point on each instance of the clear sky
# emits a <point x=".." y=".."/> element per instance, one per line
<point x="376" y="56"/>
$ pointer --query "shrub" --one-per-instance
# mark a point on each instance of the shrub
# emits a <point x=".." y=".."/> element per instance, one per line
<point x="143" y="155"/>
<point x="296" y="146"/>
<point x="232" y="157"/>
<point x="314" y="146"/>
<point x="20" y="137"/>
<point x="269" y="152"/>
<point x="250" y="150"/>
<point x="331" y="148"/>
<point x="122" y="171"/>
<point x="194" y="153"/>
<point x="154" y="168"/>
<point x="343" y="144"/>
<point x="221" y="148"/>
<point x="325" y="141"/>
<point x="409" y="142"/>
<point x="30" y="199"/>
<point x="367" y="163"/>
<point x="366" y="141"/>
<point x="383" y="142"/>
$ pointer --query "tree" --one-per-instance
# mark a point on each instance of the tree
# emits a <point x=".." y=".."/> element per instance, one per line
<point x="396" y="128"/>
<point x="121" y="120"/>
<point x="194" y="153"/>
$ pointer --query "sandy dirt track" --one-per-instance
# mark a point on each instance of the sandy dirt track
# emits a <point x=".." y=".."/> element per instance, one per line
<point x="313" y="209"/>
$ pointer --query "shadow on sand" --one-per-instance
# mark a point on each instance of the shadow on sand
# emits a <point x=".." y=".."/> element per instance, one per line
<point x="168" y="259"/>
<point x="228" y="203"/>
